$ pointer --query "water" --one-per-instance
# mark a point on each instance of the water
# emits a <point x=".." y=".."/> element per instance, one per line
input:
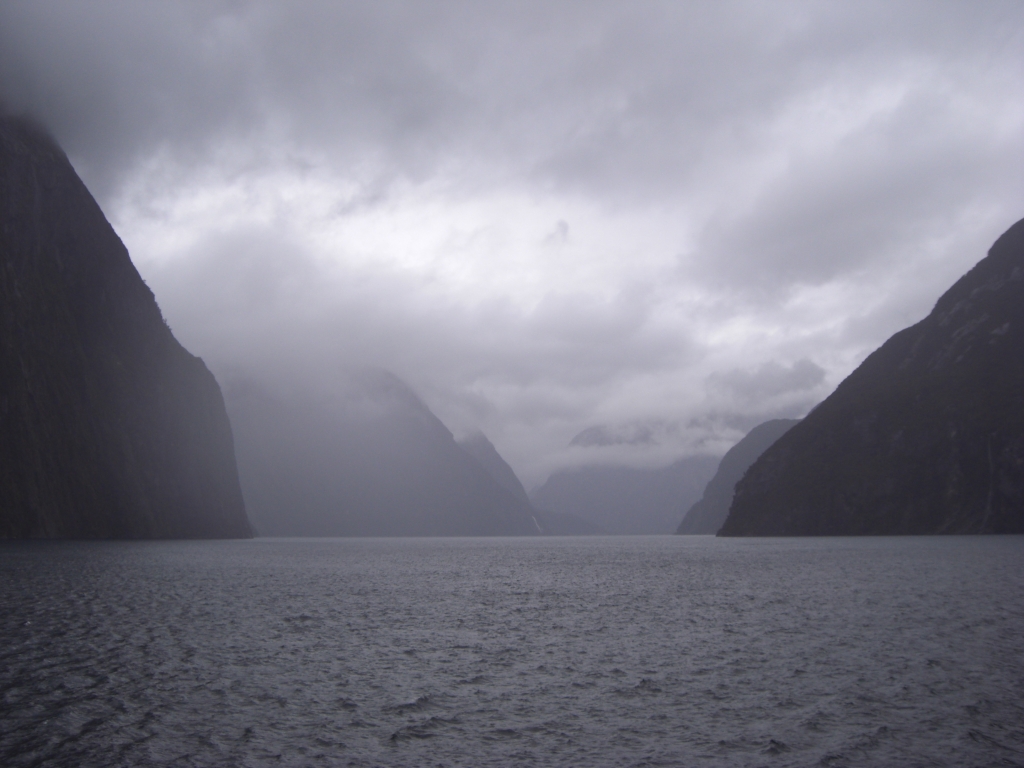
<point x="645" y="651"/>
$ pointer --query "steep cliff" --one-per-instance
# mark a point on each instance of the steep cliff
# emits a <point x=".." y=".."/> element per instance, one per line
<point x="708" y="514"/>
<point x="108" y="427"/>
<point x="926" y="436"/>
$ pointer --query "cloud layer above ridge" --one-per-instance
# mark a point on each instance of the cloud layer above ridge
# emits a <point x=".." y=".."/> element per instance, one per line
<point x="675" y="218"/>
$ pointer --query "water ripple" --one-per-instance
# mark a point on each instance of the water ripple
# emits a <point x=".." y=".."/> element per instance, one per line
<point x="647" y="651"/>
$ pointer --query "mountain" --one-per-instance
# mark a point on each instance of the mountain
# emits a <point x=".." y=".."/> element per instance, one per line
<point x="109" y="428"/>
<point x="486" y="455"/>
<point x="625" y="500"/>
<point x="926" y="436"/>
<point x="371" y="460"/>
<point x="550" y="523"/>
<point x="708" y="514"/>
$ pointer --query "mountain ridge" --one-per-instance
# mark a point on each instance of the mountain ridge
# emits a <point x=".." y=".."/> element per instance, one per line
<point x="925" y="436"/>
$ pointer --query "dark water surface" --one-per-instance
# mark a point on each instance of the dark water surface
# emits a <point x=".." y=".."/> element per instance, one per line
<point x="637" y="651"/>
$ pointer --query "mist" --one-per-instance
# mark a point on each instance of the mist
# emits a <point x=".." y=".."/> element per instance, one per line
<point x="665" y="220"/>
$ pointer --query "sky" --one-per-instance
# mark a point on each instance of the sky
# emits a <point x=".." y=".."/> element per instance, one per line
<point x="596" y="231"/>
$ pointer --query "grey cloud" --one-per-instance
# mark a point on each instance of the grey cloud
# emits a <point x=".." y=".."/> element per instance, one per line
<point x="676" y="107"/>
<point x="627" y="99"/>
<point x="256" y="300"/>
<point x="113" y="81"/>
<point x="629" y="434"/>
<point x="767" y="381"/>
<point x="714" y="425"/>
<point x="559" y="235"/>
<point x="899" y="178"/>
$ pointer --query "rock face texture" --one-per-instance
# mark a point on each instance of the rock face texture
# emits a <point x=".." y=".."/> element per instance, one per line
<point x="109" y="428"/>
<point x="627" y="500"/>
<point x="371" y="460"/>
<point x="926" y="436"/>
<point x="708" y="514"/>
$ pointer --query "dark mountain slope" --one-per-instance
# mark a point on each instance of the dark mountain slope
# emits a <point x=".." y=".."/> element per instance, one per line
<point x="625" y="500"/>
<point x="373" y="462"/>
<point x="926" y="436"/>
<point x="708" y="514"/>
<point x="486" y="455"/>
<point x="550" y="523"/>
<point x="108" y="427"/>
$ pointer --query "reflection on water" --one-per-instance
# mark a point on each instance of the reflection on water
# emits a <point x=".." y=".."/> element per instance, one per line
<point x="590" y="652"/>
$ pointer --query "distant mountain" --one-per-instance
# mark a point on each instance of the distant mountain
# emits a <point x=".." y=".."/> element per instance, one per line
<point x="550" y="523"/>
<point x="624" y="500"/>
<point x="926" y="436"/>
<point x="486" y="455"/>
<point x="109" y="428"/>
<point x="708" y="514"/>
<point x="374" y="461"/>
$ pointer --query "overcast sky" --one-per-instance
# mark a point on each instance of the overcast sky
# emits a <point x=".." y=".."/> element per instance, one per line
<point x="659" y="222"/>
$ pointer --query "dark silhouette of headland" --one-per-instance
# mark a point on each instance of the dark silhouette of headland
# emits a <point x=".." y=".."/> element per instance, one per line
<point x="109" y="428"/>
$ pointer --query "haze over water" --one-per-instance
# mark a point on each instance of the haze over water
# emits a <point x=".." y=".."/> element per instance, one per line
<point x="565" y="651"/>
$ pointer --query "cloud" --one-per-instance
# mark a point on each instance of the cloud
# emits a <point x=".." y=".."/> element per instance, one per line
<point x="917" y="158"/>
<point x="588" y="96"/>
<point x="546" y="217"/>
<point x="631" y="434"/>
<point x="767" y="381"/>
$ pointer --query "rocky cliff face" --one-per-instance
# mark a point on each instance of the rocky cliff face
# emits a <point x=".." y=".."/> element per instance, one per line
<point x="108" y="427"/>
<point x="708" y="514"/>
<point x="926" y="436"/>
